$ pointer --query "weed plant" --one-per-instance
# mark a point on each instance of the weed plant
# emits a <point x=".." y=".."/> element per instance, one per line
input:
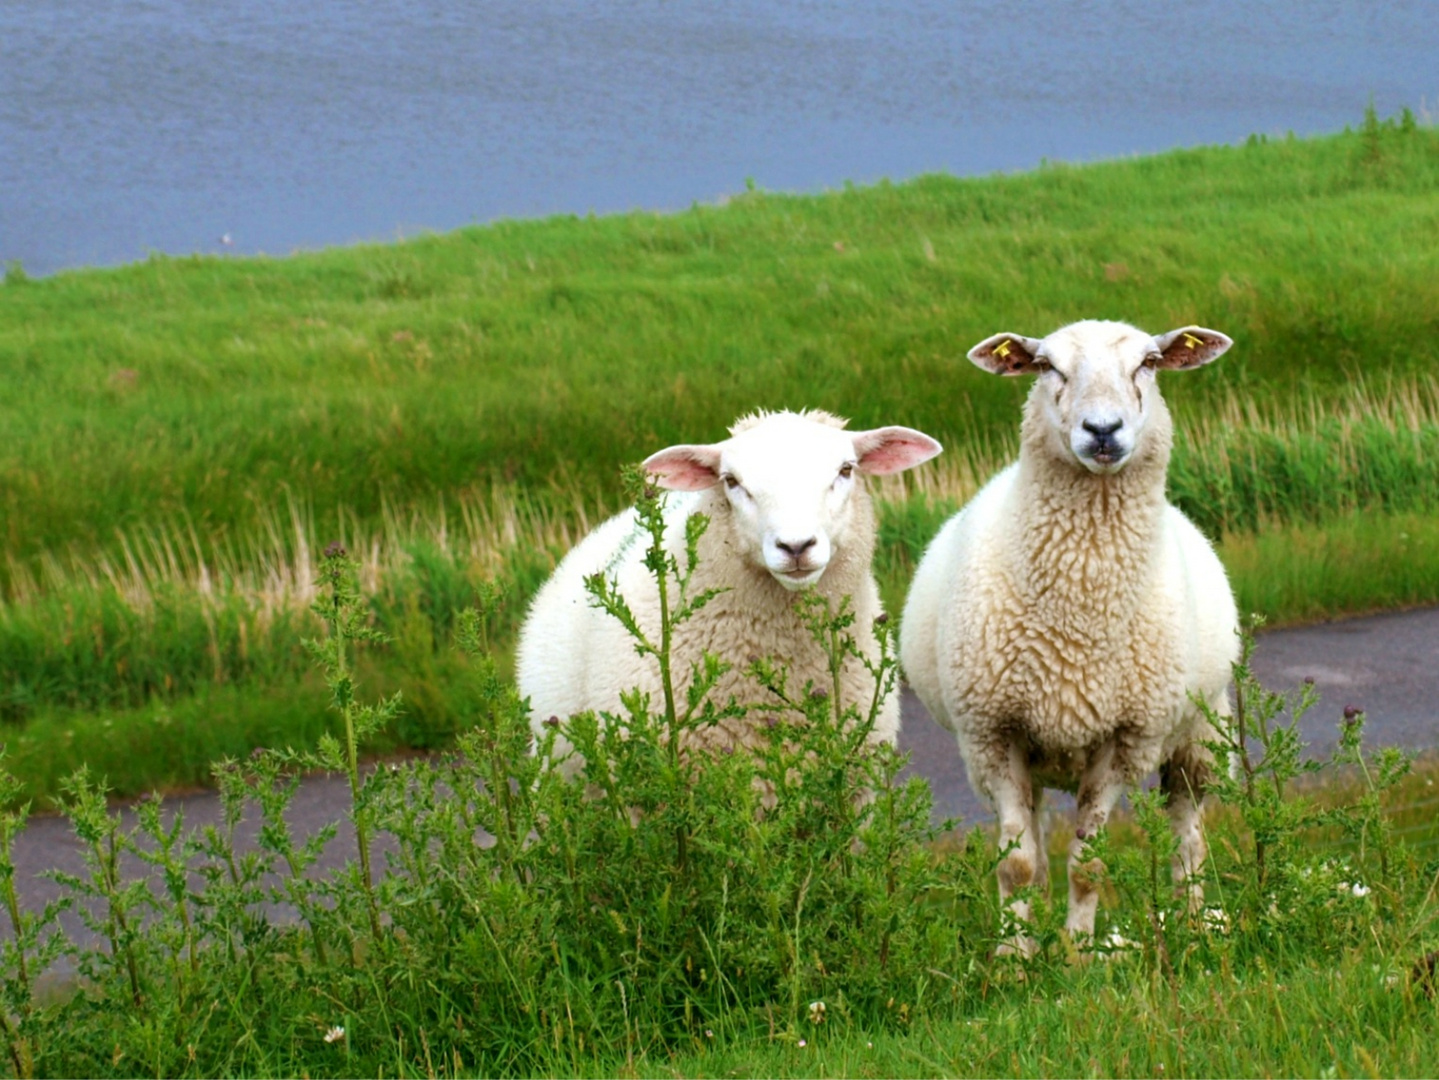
<point x="670" y="908"/>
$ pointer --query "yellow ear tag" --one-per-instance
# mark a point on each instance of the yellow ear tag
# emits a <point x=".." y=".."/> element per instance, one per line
<point x="1191" y="341"/>
<point x="1002" y="349"/>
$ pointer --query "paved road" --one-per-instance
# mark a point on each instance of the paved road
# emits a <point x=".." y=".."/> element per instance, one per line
<point x="1387" y="664"/>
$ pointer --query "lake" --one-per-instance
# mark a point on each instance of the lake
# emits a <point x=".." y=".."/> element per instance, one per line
<point x="166" y="125"/>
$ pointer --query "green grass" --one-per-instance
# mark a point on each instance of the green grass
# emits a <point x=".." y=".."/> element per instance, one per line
<point x="199" y="392"/>
<point x="1342" y="1019"/>
<point x="1357" y="563"/>
<point x="659" y="915"/>
<point x="184" y="434"/>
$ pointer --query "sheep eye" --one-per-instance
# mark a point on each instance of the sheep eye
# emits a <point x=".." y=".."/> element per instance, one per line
<point x="847" y="470"/>
<point x="730" y="481"/>
<point x="1152" y="361"/>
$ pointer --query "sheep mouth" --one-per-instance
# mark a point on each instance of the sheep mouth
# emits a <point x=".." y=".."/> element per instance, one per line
<point x="798" y="577"/>
<point x="1104" y="459"/>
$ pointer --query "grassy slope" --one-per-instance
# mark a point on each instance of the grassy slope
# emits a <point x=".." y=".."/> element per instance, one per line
<point x="553" y="350"/>
<point x="205" y="392"/>
<point x="1343" y="1022"/>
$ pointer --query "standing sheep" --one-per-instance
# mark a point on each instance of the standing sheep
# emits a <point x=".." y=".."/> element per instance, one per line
<point x="788" y="509"/>
<point x="1061" y="621"/>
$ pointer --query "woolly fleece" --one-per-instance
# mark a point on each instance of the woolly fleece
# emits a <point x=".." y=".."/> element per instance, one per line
<point x="1059" y="622"/>
<point x="573" y="657"/>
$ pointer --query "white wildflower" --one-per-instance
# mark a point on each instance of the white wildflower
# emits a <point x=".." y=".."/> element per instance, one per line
<point x="335" y="1034"/>
<point x="816" y="1012"/>
<point x="1117" y="941"/>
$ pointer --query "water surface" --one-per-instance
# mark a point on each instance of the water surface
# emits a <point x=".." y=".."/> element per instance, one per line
<point x="143" y="125"/>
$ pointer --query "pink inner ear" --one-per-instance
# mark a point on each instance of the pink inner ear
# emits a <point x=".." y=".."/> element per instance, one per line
<point x="893" y="449"/>
<point x="1191" y="347"/>
<point x="685" y="468"/>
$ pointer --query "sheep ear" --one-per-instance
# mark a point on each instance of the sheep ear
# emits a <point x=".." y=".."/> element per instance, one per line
<point x="1007" y="354"/>
<point x="1190" y="347"/>
<point x="893" y="449"/>
<point x="685" y="468"/>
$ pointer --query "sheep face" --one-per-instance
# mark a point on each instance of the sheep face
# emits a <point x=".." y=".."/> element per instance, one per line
<point x="1096" y="391"/>
<point x="790" y="481"/>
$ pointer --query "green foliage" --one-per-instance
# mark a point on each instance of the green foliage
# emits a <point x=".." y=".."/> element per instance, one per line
<point x="1291" y="892"/>
<point x="665" y="896"/>
<point x="453" y="408"/>
<point x="199" y="392"/>
<point x="1242" y="479"/>
<point x="1296" y="870"/>
<point x="91" y="647"/>
<point x="670" y="907"/>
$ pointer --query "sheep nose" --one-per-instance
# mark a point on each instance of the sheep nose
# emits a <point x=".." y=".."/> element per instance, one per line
<point x="795" y="548"/>
<point x="1102" y="431"/>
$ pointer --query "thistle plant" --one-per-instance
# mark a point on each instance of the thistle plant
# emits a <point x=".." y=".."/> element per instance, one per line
<point x="30" y="948"/>
<point x="676" y="606"/>
<point x="343" y="611"/>
<point x="103" y="841"/>
<point x="272" y="784"/>
<point x="233" y="889"/>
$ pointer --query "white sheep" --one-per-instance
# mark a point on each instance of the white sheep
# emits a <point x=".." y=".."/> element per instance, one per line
<point x="1059" y="623"/>
<point x="788" y="509"/>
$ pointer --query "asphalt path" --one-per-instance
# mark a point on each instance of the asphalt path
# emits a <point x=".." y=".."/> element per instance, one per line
<point x="1386" y="664"/>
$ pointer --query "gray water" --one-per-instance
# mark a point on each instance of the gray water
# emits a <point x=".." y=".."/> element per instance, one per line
<point x="129" y="126"/>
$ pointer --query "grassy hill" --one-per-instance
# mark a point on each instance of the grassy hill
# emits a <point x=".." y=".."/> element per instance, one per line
<point x="183" y="434"/>
<point x="545" y="353"/>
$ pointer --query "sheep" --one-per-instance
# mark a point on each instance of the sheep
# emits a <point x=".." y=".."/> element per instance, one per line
<point x="788" y="509"/>
<point x="1061" y="621"/>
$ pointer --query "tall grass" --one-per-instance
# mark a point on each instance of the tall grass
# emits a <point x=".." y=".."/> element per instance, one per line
<point x="1322" y="504"/>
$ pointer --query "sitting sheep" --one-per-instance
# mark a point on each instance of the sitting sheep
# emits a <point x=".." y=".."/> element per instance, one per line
<point x="1059" y="623"/>
<point x="788" y="509"/>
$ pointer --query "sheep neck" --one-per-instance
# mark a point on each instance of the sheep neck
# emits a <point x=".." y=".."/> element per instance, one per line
<point x="1082" y="542"/>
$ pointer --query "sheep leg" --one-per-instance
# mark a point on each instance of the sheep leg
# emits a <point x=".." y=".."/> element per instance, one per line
<point x="1183" y="778"/>
<point x="1012" y="790"/>
<point x="1100" y="786"/>
<point x="1041" y="847"/>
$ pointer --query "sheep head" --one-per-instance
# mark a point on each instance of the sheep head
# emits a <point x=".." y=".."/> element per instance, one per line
<point x="789" y="479"/>
<point x="1096" y="390"/>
